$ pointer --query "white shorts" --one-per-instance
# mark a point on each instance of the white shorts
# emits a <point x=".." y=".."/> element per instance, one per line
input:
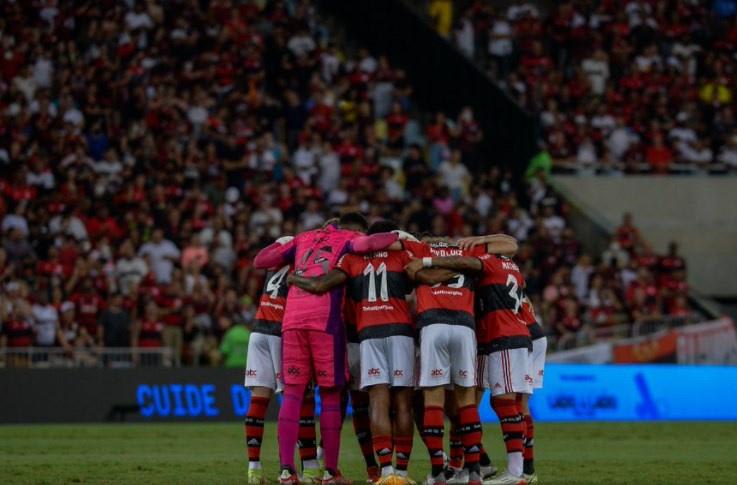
<point x="263" y="362"/>
<point x="537" y="361"/>
<point x="447" y="354"/>
<point x="388" y="360"/>
<point x="506" y="371"/>
<point x="354" y="365"/>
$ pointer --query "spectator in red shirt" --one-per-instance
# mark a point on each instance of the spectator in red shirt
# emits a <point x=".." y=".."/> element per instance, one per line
<point x="627" y="234"/>
<point x="658" y="155"/>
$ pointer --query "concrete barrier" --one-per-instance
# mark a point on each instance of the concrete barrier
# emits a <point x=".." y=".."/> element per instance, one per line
<point x="697" y="211"/>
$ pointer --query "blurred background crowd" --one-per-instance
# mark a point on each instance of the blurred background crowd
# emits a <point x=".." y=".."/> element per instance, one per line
<point x="149" y="149"/>
<point x="636" y="86"/>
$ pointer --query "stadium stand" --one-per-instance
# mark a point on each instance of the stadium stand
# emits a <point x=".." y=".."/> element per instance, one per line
<point x="148" y="151"/>
<point x="631" y="86"/>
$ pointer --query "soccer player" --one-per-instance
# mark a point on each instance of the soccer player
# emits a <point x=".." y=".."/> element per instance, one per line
<point x="445" y="319"/>
<point x="263" y="378"/>
<point x="377" y="290"/>
<point x="504" y="343"/>
<point x="537" y="372"/>
<point x="313" y="335"/>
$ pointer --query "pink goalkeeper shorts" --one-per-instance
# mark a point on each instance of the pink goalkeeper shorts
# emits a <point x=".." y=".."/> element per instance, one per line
<point x="314" y="355"/>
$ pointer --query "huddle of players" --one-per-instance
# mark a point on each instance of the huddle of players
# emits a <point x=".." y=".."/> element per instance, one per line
<point x="469" y="301"/>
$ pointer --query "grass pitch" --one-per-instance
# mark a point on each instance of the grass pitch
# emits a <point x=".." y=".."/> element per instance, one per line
<point x="607" y="453"/>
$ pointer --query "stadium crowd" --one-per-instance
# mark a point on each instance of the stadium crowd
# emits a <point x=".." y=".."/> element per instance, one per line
<point x="149" y="149"/>
<point x="621" y="86"/>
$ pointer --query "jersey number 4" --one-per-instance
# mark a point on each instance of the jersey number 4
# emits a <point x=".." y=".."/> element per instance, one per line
<point x="275" y="282"/>
<point x="515" y="292"/>
<point x="373" y="275"/>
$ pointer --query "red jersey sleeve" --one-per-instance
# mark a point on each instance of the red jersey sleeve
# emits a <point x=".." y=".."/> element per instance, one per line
<point x="416" y="249"/>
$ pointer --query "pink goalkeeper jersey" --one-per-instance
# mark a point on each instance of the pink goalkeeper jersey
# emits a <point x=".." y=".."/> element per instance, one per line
<point x="315" y="253"/>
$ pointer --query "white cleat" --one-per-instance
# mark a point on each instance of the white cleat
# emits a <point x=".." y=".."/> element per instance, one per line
<point x="459" y="476"/>
<point x="531" y="478"/>
<point x="438" y="480"/>
<point x="505" y="478"/>
<point x="488" y="472"/>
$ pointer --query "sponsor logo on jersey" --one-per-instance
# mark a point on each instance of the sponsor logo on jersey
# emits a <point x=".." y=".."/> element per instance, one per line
<point x="374" y="372"/>
<point x="322" y="373"/>
<point x="463" y="373"/>
<point x="293" y="371"/>
<point x="398" y="373"/>
<point x="436" y="373"/>
<point x="528" y="378"/>
<point x="250" y="372"/>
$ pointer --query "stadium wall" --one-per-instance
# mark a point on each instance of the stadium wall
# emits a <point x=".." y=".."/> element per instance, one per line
<point x="696" y="211"/>
<point x="571" y="393"/>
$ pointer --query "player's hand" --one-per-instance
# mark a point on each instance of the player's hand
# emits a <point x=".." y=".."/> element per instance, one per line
<point x="467" y="243"/>
<point x="413" y="267"/>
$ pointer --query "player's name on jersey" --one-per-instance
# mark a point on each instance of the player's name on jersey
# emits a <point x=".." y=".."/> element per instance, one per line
<point x="442" y="252"/>
<point x="510" y="265"/>
<point x="377" y="254"/>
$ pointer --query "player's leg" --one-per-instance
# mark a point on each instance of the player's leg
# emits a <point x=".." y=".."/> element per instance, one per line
<point x="375" y="377"/>
<point x="456" y="445"/>
<point x="297" y="372"/>
<point x="433" y="428"/>
<point x="435" y="370"/>
<point x="381" y="427"/>
<point x="528" y="455"/>
<point x="307" y="438"/>
<point x="508" y="370"/>
<point x="360" y="417"/>
<point x="254" y="431"/>
<point x="262" y="370"/>
<point x="403" y="427"/>
<point x="328" y="354"/>
<point x="537" y="372"/>
<point x="463" y="350"/>
<point x="487" y="468"/>
<point x="401" y="359"/>
<point x="362" y="428"/>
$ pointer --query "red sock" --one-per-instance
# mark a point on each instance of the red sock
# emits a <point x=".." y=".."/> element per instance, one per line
<point x="362" y="426"/>
<point x="529" y="455"/>
<point x="307" y="436"/>
<point x="403" y="446"/>
<point x="432" y="435"/>
<point x="456" y="446"/>
<point x="383" y="449"/>
<point x="470" y="431"/>
<point x="254" y="427"/>
<point x="513" y="427"/>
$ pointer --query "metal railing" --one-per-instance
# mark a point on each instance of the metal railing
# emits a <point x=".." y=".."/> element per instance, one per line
<point x="59" y="357"/>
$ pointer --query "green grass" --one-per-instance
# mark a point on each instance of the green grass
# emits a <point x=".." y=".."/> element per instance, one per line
<point x="611" y="453"/>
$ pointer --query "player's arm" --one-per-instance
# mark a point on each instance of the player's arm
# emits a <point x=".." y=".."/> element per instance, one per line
<point x="433" y="276"/>
<point x="375" y="242"/>
<point x="318" y="284"/>
<point x="495" y="243"/>
<point x="458" y="264"/>
<point x="277" y="254"/>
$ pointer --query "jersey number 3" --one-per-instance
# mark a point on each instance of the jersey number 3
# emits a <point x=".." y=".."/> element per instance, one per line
<point x="373" y="275"/>
<point x="515" y="292"/>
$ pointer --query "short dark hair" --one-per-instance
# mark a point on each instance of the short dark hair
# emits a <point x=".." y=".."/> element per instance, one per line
<point x="382" y="225"/>
<point x="354" y="219"/>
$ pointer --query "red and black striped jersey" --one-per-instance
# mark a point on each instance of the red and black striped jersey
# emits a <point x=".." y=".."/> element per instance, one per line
<point x="451" y="302"/>
<point x="376" y="293"/>
<point x="500" y="293"/>
<point x="527" y="313"/>
<point x="273" y="300"/>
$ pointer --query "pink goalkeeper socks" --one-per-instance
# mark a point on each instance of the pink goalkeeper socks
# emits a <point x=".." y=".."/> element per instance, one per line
<point x="288" y="428"/>
<point x="330" y="423"/>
